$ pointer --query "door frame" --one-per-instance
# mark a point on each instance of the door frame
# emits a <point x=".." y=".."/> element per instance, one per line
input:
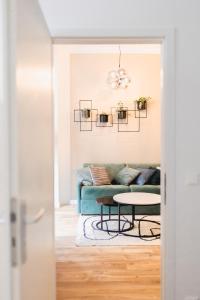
<point x="5" y="242"/>
<point x="166" y="38"/>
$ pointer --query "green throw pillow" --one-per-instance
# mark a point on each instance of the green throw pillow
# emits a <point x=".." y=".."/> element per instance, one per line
<point x="126" y="175"/>
<point x="84" y="176"/>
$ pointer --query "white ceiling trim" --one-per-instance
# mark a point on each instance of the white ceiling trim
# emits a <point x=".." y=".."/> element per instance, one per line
<point x="100" y="48"/>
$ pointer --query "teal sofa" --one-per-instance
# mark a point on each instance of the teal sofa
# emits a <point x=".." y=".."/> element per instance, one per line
<point x="87" y="194"/>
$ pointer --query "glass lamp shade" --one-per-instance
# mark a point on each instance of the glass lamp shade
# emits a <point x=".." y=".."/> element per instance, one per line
<point x="127" y="80"/>
<point x="114" y="84"/>
<point x="121" y="72"/>
<point x="118" y="79"/>
<point x="113" y="75"/>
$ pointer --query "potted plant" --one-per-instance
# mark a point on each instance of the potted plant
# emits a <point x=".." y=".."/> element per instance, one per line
<point x="86" y="113"/>
<point x="142" y="102"/>
<point x="103" y="117"/>
<point x="121" y="112"/>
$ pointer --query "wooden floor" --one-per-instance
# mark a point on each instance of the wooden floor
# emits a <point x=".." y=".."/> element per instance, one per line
<point x="106" y="273"/>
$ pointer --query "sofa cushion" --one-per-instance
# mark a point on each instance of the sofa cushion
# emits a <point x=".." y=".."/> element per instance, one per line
<point x="100" y="175"/>
<point x="155" y="178"/>
<point x="113" y="169"/>
<point x="145" y="175"/>
<point x="145" y="188"/>
<point x="84" y="176"/>
<point x="93" y="192"/>
<point x="126" y="175"/>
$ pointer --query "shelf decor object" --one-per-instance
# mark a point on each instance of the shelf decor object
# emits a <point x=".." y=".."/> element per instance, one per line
<point x="121" y="111"/>
<point x="104" y="120"/>
<point x="127" y="119"/>
<point x="141" y="105"/>
<point x="118" y="78"/>
<point x="122" y="114"/>
<point x="86" y="113"/>
<point x="103" y="117"/>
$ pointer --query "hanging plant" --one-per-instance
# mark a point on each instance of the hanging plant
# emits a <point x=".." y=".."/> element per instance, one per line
<point x="121" y="111"/>
<point x="142" y="103"/>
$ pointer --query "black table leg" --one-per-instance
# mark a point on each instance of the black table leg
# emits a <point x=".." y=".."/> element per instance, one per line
<point x="118" y="220"/>
<point x="119" y="216"/>
<point x="101" y="216"/>
<point x="133" y="214"/>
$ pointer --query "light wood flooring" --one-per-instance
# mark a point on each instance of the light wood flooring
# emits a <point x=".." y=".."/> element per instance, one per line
<point x="106" y="273"/>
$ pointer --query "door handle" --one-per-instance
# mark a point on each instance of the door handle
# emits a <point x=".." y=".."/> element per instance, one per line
<point x="35" y="219"/>
<point x="27" y="220"/>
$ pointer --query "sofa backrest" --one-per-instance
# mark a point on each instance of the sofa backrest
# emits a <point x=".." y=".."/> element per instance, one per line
<point x="113" y="168"/>
<point x="134" y="165"/>
<point x="122" y="165"/>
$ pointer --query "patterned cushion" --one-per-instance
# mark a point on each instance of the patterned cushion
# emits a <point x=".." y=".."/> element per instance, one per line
<point x="126" y="175"/>
<point x="100" y="176"/>
<point x="112" y="168"/>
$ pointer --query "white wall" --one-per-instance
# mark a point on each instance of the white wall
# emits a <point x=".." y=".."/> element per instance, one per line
<point x="105" y="145"/>
<point x="83" y="18"/>
<point x="62" y="126"/>
<point x="83" y="76"/>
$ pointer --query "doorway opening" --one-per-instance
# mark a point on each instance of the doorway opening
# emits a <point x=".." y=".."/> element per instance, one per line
<point x="81" y="73"/>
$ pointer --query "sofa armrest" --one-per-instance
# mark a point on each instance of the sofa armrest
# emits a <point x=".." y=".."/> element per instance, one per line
<point x="78" y="190"/>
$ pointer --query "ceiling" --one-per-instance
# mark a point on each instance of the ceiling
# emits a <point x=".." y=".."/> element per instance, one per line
<point x="75" y="17"/>
<point x="61" y="15"/>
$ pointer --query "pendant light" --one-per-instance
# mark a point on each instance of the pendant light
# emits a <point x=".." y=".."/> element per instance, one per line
<point x="118" y="78"/>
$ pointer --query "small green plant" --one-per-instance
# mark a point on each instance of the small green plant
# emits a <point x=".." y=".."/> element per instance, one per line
<point x="142" y="102"/>
<point x="143" y="99"/>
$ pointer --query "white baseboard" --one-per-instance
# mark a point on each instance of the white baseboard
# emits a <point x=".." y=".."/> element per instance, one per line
<point x="73" y="202"/>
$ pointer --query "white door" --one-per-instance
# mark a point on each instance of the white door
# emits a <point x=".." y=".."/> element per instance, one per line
<point x="32" y="152"/>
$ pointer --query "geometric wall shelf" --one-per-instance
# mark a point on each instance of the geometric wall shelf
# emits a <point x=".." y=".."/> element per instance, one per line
<point x="85" y="123"/>
<point x="127" y="120"/>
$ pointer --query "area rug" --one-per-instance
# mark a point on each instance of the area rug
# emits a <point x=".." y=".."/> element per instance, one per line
<point x="89" y="235"/>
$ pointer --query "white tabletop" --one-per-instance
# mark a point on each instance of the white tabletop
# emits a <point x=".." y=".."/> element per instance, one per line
<point x="135" y="198"/>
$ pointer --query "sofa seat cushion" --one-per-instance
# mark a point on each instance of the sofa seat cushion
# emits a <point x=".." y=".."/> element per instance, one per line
<point x="145" y="188"/>
<point x="93" y="192"/>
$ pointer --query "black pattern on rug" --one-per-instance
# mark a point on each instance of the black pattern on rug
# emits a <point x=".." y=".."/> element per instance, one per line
<point x="111" y="235"/>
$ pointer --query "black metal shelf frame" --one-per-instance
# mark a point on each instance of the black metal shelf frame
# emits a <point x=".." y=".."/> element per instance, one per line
<point x="113" y="119"/>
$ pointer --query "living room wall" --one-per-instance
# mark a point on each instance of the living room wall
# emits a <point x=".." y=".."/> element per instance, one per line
<point x="88" y="81"/>
<point x="83" y="76"/>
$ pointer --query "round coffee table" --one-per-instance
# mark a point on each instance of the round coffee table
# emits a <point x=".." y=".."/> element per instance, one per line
<point x="138" y="199"/>
<point x="109" y="202"/>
